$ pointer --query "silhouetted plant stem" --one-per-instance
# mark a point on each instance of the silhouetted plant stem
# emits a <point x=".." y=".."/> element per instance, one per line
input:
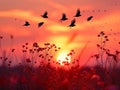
<point x="101" y="52"/>
<point x="0" y="45"/>
<point x="102" y="42"/>
<point x="4" y="58"/>
<point x="106" y="62"/>
<point x="11" y="43"/>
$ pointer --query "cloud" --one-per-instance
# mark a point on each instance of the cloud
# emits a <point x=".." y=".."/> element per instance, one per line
<point x="52" y="30"/>
<point x="20" y="14"/>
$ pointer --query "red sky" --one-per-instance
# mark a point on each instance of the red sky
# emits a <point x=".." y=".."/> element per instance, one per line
<point x="13" y="14"/>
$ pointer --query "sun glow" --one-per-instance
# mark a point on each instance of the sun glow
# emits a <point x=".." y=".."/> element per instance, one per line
<point x="63" y="58"/>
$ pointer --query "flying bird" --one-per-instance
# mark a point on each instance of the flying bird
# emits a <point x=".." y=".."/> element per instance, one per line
<point x="26" y="23"/>
<point x="45" y="15"/>
<point x="77" y="13"/>
<point x="72" y="24"/>
<point x="64" y="17"/>
<point x="40" y="24"/>
<point x="89" y="18"/>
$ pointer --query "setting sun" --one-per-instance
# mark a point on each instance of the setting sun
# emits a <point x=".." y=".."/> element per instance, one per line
<point x="63" y="59"/>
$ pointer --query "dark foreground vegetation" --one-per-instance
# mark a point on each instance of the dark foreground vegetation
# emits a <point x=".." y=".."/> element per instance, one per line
<point x="39" y="71"/>
<point x="51" y="78"/>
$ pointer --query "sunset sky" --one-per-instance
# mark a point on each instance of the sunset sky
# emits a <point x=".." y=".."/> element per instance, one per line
<point x="106" y="17"/>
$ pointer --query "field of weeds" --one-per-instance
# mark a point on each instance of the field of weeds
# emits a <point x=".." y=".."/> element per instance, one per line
<point x="39" y="71"/>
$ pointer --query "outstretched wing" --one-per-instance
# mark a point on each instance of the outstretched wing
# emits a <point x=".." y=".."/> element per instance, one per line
<point x="89" y="18"/>
<point x="45" y="14"/>
<point x="26" y="23"/>
<point x="40" y="24"/>
<point x="78" y="13"/>
<point x="73" y="22"/>
<point x="64" y="15"/>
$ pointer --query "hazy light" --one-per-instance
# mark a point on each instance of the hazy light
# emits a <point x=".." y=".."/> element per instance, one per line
<point x="63" y="59"/>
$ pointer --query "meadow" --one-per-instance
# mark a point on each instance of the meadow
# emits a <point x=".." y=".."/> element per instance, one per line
<point x="37" y="69"/>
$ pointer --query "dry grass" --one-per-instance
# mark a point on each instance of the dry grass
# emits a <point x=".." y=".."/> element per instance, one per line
<point x="39" y="71"/>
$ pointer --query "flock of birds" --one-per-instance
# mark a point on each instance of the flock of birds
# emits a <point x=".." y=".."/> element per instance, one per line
<point x="63" y="18"/>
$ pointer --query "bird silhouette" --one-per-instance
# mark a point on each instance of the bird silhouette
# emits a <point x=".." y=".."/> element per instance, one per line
<point x="89" y="18"/>
<point x="40" y="24"/>
<point x="72" y="24"/>
<point x="77" y="13"/>
<point x="26" y="23"/>
<point x="45" y="15"/>
<point x="64" y="17"/>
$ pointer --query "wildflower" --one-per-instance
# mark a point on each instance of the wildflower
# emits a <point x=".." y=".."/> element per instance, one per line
<point x="28" y="60"/>
<point x="48" y="48"/>
<point x="112" y="55"/>
<point x="47" y="54"/>
<point x="117" y="52"/>
<point x="48" y="59"/>
<point x="10" y="61"/>
<point x="1" y="37"/>
<point x="72" y="50"/>
<point x="9" y="64"/>
<point x="77" y="60"/>
<point x="99" y="35"/>
<point x="96" y="56"/>
<point x="104" y="49"/>
<point x="11" y="36"/>
<point x="70" y="53"/>
<point x="30" y="50"/>
<point x="102" y="33"/>
<point x="66" y="58"/>
<point x="13" y="50"/>
<point x="26" y="47"/>
<point x="23" y="46"/>
<point x="53" y="44"/>
<point x="103" y="41"/>
<point x="35" y="62"/>
<point x="40" y="55"/>
<point x="24" y="51"/>
<point x="35" y="44"/>
<point x="51" y="56"/>
<point x="38" y="49"/>
<point x="56" y="50"/>
<point x="73" y="62"/>
<point x="101" y="47"/>
<point x="107" y="39"/>
<point x="48" y="63"/>
<point x="58" y="47"/>
<point x="46" y="44"/>
<point x="5" y="59"/>
<point x="98" y="45"/>
<point x="106" y="36"/>
<point x="26" y="43"/>
<point x="0" y="57"/>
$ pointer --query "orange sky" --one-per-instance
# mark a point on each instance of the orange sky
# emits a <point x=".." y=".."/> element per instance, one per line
<point x="13" y="14"/>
